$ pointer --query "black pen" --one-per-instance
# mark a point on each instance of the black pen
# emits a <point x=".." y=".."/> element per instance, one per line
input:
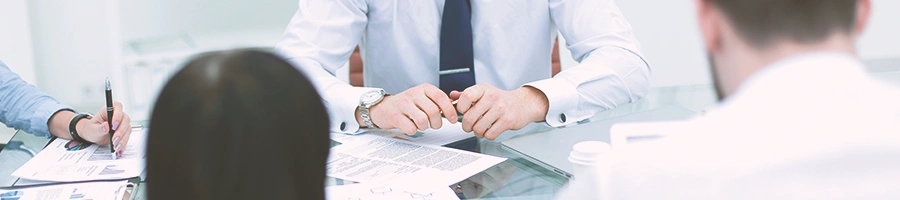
<point x="109" y="117"/>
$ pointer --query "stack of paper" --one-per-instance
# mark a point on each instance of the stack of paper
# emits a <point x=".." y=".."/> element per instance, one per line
<point x="68" y="161"/>
<point x="380" y="160"/>
<point x="371" y="191"/>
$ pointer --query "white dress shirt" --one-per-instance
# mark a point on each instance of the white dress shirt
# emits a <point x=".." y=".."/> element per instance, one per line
<point x="814" y="126"/>
<point x="399" y="43"/>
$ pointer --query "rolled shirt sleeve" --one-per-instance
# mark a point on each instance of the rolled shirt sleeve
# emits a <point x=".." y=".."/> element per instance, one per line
<point x="23" y="106"/>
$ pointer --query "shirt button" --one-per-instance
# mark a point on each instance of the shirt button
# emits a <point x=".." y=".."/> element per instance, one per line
<point x="343" y="126"/>
<point x="562" y="117"/>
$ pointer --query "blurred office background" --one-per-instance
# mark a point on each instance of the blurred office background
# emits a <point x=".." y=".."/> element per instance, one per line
<point x="67" y="48"/>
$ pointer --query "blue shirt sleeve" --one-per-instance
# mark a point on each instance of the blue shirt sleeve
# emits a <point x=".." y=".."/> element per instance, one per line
<point x="23" y="106"/>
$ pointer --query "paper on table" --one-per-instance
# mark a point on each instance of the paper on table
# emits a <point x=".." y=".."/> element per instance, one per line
<point x="89" y="190"/>
<point x="448" y="133"/>
<point x="66" y="161"/>
<point x="351" y="139"/>
<point x="370" y="191"/>
<point x="382" y="159"/>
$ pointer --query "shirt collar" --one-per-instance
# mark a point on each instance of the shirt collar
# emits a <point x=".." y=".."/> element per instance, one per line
<point x="796" y="78"/>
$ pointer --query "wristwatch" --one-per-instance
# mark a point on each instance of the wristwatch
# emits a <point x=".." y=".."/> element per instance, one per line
<point x="368" y="100"/>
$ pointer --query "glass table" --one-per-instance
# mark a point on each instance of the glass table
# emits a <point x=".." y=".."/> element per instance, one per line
<point x="515" y="178"/>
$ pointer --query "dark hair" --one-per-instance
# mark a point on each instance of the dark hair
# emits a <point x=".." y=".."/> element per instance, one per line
<point x="764" y="22"/>
<point x="240" y="124"/>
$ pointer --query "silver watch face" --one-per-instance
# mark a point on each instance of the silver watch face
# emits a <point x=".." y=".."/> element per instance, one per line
<point x="371" y="97"/>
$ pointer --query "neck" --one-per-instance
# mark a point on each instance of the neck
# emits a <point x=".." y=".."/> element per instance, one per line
<point x="746" y="64"/>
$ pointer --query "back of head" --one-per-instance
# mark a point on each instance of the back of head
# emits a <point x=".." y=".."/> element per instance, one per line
<point x="766" y="22"/>
<point x="743" y="36"/>
<point x="239" y="124"/>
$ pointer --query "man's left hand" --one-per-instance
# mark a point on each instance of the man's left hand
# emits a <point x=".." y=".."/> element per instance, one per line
<point x="489" y="111"/>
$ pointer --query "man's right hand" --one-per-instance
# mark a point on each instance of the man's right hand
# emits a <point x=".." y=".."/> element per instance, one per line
<point x="412" y="110"/>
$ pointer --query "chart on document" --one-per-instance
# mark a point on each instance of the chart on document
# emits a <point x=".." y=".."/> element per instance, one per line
<point x="67" y="160"/>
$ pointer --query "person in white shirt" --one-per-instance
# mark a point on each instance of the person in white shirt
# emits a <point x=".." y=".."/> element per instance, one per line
<point x="798" y="118"/>
<point x="427" y="53"/>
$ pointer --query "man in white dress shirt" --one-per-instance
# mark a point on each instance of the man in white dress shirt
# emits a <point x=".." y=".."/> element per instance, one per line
<point x="799" y="117"/>
<point x="420" y="55"/>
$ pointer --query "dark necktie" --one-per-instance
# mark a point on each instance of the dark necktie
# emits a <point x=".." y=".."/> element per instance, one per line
<point x="457" y="61"/>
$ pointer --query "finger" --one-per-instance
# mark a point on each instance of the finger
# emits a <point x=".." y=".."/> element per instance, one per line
<point x="454" y="95"/>
<point x="474" y="114"/>
<point x="99" y="119"/>
<point x="123" y="144"/>
<point x="497" y="128"/>
<point x="431" y="111"/>
<point x="402" y="122"/>
<point x="92" y="135"/>
<point x="443" y="102"/>
<point x="412" y="112"/>
<point x="123" y="132"/>
<point x="468" y="98"/>
<point x="118" y="114"/>
<point x="487" y="121"/>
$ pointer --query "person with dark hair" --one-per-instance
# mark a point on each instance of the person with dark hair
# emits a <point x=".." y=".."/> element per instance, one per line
<point x="240" y="124"/>
<point x="798" y="116"/>
<point x="24" y="107"/>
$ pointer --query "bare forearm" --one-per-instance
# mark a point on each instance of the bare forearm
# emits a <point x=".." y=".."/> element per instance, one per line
<point x="59" y="124"/>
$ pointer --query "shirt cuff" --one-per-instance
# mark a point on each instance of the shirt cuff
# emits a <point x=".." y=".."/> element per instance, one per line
<point x="343" y="109"/>
<point x="562" y="98"/>
<point x="40" y="127"/>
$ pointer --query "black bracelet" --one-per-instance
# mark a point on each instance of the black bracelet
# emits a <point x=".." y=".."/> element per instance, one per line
<point x="72" y="128"/>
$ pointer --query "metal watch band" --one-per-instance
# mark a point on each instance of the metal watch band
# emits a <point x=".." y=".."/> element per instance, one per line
<point x="364" y="113"/>
<point x="366" y="102"/>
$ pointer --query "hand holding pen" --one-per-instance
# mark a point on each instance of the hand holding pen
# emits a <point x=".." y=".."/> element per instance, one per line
<point x="107" y="127"/>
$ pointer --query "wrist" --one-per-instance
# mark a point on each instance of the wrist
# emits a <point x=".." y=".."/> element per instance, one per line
<point x="359" y="119"/>
<point x="374" y="110"/>
<point x="58" y="125"/>
<point x="365" y="112"/>
<point x="80" y="129"/>
<point x="535" y="102"/>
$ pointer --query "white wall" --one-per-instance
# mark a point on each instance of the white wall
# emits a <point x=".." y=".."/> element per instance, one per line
<point x="15" y="39"/>
<point x="880" y="39"/>
<point x="670" y="40"/>
<point x="257" y="22"/>
<point x="667" y="30"/>
<point x="74" y="47"/>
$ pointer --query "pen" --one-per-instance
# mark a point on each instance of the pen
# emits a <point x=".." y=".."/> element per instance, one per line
<point x="109" y="116"/>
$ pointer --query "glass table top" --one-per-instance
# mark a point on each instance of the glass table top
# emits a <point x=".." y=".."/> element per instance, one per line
<point x="515" y="178"/>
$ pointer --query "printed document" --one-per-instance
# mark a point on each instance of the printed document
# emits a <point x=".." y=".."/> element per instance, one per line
<point x="448" y="133"/>
<point x="89" y="190"/>
<point x="370" y="191"/>
<point x="383" y="159"/>
<point x="67" y="161"/>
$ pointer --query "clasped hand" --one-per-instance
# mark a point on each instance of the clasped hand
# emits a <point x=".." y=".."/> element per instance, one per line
<point x="487" y="110"/>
